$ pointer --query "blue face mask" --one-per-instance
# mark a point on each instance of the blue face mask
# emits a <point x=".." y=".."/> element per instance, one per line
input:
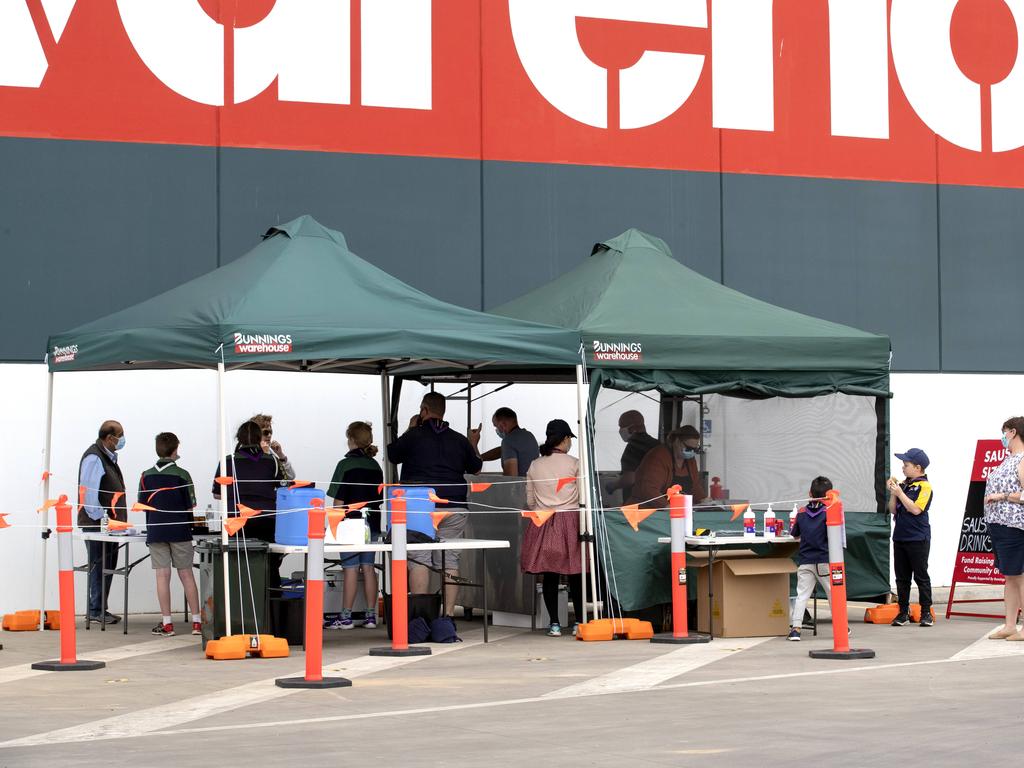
<point x="500" y="433"/>
<point x="120" y="443"/>
<point x="1005" y="441"/>
<point x="689" y="453"/>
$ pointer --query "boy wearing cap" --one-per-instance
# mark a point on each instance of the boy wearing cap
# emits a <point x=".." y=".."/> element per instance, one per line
<point x="909" y="503"/>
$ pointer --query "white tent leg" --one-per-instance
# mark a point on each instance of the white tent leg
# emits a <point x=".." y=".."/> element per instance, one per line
<point x="223" y="443"/>
<point x="46" y="495"/>
<point x="586" y="510"/>
<point x="385" y="432"/>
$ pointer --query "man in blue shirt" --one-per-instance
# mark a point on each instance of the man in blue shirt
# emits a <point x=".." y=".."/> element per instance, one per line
<point x="101" y="491"/>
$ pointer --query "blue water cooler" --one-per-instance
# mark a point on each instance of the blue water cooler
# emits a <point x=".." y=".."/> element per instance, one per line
<point x="417" y="507"/>
<point x="292" y="527"/>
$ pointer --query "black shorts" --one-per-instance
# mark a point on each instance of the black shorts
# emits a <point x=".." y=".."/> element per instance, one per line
<point x="1008" y="544"/>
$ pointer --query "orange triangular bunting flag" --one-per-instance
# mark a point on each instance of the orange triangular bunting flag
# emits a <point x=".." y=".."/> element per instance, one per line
<point x="538" y="516"/>
<point x="50" y="503"/>
<point x="479" y="487"/>
<point x="435" y="498"/>
<point x="334" y="517"/>
<point x="118" y="525"/>
<point x="437" y="516"/>
<point x="154" y="493"/>
<point x="81" y="496"/>
<point x="224" y="480"/>
<point x="380" y="488"/>
<point x="138" y="506"/>
<point x="564" y="481"/>
<point x="247" y="512"/>
<point x="634" y="515"/>
<point x="116" y="497"/>
<point x="46" y="476"/>
<point x="356" y="506"/>
<point x="737" y="510"/>
<point x="3" y="521"/>
<point x="234" y="524"/>
<point x="300" y="483"/>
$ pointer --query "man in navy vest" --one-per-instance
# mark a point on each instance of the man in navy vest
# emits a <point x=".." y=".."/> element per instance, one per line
<point x="101" y="478"/>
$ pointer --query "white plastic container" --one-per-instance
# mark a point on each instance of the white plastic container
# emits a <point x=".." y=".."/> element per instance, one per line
<point x="769" y="523"/>
<point x="351" y="532"/>
<point x="792" y="518"/>
<point x="749" y="524"/>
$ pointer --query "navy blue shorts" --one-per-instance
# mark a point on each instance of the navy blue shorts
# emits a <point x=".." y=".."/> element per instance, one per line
<point x="1008" y="544"/>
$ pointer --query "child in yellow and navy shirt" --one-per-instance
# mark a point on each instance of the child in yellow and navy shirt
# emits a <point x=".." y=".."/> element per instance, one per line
<point x="909" y="503"/>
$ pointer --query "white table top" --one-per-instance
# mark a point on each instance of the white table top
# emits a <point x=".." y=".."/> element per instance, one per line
<point x="347" y="549"/>
<point x="719" y="541"/>
<point x="120" y="538"/>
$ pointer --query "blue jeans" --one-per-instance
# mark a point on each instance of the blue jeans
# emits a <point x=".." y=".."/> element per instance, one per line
<point x="95" y="552"/>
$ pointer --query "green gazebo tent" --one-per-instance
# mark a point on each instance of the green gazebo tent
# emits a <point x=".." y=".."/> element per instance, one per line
<point x="649" y="323"/>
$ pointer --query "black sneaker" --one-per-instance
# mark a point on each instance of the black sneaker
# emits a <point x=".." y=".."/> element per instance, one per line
<point x="794" y="635"/>
<point x="901" y="621"/>
<point x="109" y="618"/>
<point x="927" y="620"/>
<point x="163" y="630"/>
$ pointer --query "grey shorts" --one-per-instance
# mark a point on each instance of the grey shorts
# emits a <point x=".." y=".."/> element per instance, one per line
<point x="167" y="554"/>
<point x="452" y="527"/>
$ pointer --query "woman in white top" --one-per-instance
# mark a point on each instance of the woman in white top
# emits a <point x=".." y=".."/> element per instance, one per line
<point x="552" y="550"/>
<point x="1004" y="513"/>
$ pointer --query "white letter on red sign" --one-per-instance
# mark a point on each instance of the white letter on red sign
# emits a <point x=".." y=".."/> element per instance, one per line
<point x="22" y="60"/>
<point x="652" y="89"/>
<point x="742" y="65"/>
<point x="859" y="68"/>
<point x="1008" y="96"/>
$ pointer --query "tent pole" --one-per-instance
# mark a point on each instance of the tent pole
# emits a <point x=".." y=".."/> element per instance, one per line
<point x="46" y="495"/>
<point x="385" y="431"/>
<point x="222" y="431"/>
<point x="586" y="510"/>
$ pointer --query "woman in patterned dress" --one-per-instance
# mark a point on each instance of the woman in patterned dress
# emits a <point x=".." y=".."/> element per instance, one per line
<point x="1004" y="513"/>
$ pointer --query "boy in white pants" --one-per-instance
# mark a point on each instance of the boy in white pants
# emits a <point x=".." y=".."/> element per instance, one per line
<point x="812" y="558"/>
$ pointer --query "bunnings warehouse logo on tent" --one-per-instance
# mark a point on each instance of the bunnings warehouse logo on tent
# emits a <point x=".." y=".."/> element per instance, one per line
<point x="65" y="354"/>
<point x="262" y="343"/>
<point x="626" y="351"/>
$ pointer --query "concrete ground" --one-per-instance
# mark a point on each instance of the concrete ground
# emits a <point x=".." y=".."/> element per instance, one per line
<point x="932" y="696"/>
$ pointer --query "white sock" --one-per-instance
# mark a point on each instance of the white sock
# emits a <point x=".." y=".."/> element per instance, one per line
<point x="195" y="618"/>
<point x="167" y="619"/>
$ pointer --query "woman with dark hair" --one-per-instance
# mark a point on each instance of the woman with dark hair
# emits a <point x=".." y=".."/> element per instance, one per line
<point x="1004" y="513"/>
<point x="257" y="475"/>
<point x="552" y="550"/>
<point x="668" y="465"/>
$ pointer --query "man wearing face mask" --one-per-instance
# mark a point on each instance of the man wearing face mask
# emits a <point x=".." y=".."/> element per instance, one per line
<point x="633" y="432"/>
<point x="100" y="477"/>
<point x="518" y="446"/>
<point x="668" y="465"/>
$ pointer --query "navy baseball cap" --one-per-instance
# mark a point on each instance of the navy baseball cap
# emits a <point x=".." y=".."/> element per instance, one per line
<point x="558" y="429"/>
<point x="915" y="456"/>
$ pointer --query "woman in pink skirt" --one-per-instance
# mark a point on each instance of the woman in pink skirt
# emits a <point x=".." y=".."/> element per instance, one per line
<point x="553" y="549"/>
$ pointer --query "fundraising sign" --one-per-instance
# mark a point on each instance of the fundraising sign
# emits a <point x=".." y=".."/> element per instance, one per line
<point x="974" y="557"/>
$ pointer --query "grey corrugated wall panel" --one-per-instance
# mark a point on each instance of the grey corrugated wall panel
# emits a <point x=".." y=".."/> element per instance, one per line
<point x="982" y="257"/>
<point x="417" y="218"/>
<point x="855" y="252"/>
<point x="541" y="220"/>
<point x="88" y="228"/>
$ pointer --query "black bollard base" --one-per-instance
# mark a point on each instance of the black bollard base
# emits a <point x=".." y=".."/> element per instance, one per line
<point x="853" y="653"/>
<point x="669" y="639"/>
<point x="301" y="682"/>
<point x="76" y="666"/>
<point x="412" y="650"/>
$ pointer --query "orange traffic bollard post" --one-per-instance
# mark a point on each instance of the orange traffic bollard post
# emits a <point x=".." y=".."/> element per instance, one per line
<point x="837" y="581"/>
<point x="314" y="609"/>
<point x="399" y="585"/>
<point x="680" y="508"/>
<point x="69" y="661"/>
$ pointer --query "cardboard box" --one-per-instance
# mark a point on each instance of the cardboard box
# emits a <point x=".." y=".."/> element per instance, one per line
<point x="751" y="594"/>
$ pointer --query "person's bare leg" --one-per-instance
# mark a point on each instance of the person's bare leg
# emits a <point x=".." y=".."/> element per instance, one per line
<point x="451" y="592"/>
<point x="188" y="583"/>
<point x="1012" y="598"/>
<point x="419" y="579"/>
<point x="163" y="589"/>
<point x="370" y="587"/>
<point x="348" y="588"/>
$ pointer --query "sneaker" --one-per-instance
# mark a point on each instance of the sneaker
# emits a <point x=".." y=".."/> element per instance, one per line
<point x="901" y="621"/>
<point x="340" y="623"/>
<point x="554" y="629"/>
<point x="370" y="622"/>
<point x="794" y="635"/>
<point x="575" y="628"/>
<point x="197" y="628"/>
<point x="164" y="630"/>
<point x="927" y="620"/>
<point x="107" y="618"/>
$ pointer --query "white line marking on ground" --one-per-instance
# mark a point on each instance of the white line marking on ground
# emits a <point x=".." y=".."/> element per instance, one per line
<point x="649" y="673"/>
<point x="175" y="713"/>
<point x="542" y="699"/>
<point x="24" y="671"/>
<point x="983" y="648"/>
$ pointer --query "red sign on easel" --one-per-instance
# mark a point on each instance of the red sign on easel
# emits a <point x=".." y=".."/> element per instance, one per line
<point x="975" y="560"/>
